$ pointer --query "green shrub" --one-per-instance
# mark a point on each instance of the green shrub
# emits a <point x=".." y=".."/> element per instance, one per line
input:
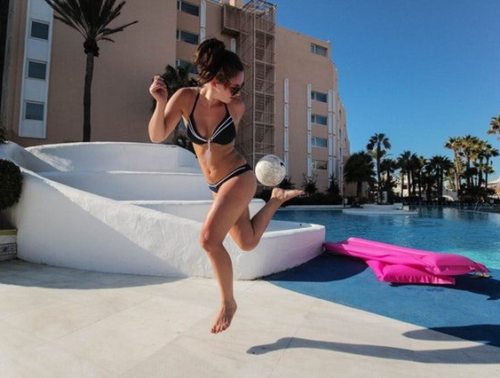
<point x="3" y="137"/>
<point x="287" y="183"/>
<point x="309" y="185"/>
<point x="316" y="199"/>
<point x="264" y="194"/>
<point x="11" y="182"/>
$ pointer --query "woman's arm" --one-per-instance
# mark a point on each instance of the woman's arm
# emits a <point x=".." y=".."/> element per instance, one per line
<point x="237" y="109"/>
<point x="167" y="113"/>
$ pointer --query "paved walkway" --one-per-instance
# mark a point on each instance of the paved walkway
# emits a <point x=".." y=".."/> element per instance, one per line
<point x="57" y="322"/>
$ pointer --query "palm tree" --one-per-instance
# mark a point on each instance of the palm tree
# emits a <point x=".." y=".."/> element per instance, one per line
<point x="440" y="166"/>
<point x="377" y="146"/>
<point x="403" y="162"/>
<point x="419" y="165"/>
<point x="467" y="146"/>
<point x="488" y="153"/>
<point x="90" y="18"/>
<point x="495" y="126"/>
<point x="482" y="163"/>
<point x="455" y="144"/>
<point x="359" y="168"/>
<point x="416" y="166"/>
<point x="428" y="179"/>
<point x="387" y="167"/>
<point x="479" y="162"/>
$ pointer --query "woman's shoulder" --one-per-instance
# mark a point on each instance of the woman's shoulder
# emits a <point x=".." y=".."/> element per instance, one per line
<point x="187" y="92"/>
<point x="236" y="106"/>
<point x="185" y="97"/>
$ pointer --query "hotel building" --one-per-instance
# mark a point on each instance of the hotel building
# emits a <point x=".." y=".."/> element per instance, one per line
<point x="293" y="108"/>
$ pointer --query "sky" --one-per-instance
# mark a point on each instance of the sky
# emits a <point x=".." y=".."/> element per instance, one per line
<point x="419" y="71"/>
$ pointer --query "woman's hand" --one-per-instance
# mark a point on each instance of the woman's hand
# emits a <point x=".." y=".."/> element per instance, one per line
<point x="158" y="89"/>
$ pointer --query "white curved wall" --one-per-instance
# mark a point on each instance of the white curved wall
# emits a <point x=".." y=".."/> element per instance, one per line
<point x="126" y="229"/>
<point x="133" y="185"/>
<point x="23" y="158"/>
<point x="116" y="156"/>
<point x="196" y="210"/>
<point x="62" y="226"/>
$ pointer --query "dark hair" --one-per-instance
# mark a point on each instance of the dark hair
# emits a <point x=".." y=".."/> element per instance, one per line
<point x="214" y="61"/>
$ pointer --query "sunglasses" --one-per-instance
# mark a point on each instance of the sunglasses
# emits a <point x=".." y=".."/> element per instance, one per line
<point x="234" y="89"/>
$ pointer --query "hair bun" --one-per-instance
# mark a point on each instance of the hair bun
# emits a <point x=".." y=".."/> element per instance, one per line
<point x="212" y="44"/>
<point x="210" y="57"/>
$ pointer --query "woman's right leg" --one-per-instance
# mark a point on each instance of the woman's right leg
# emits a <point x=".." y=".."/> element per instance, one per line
<point x="230" y="202"/>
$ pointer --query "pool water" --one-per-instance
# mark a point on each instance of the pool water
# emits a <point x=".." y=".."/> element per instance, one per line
<point x="472" y="234"/>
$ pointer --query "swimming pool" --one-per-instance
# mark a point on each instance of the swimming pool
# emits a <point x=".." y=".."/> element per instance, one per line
<point x="472" y="234"/>
<point x="467" y="310"/>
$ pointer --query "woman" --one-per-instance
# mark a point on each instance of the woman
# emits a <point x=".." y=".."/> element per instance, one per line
<point x="212" y="113"/>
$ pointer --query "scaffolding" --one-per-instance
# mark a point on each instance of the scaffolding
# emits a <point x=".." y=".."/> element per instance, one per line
<point x="254" y="27"/>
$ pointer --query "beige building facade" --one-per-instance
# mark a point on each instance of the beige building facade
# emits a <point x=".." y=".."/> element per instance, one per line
<point x="293" y="108"/>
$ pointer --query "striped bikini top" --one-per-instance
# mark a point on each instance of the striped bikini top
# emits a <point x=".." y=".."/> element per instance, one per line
<point x="224" y="133"/>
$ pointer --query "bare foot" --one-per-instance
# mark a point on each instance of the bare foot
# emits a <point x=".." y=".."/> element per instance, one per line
<point x="283" y="195"/>
<point x="224" y="318"/>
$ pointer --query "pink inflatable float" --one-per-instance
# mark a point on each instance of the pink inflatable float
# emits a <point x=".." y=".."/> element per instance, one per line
<point x="392" y="263"/>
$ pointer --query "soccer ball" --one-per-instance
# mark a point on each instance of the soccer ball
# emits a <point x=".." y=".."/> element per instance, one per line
<point x="270" y="170"/>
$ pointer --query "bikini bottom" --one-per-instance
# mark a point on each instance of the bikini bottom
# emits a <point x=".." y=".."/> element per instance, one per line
<point x="236" y="172"/>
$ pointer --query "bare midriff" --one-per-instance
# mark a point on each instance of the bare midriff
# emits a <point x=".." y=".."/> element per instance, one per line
<point x="218" y="161"/>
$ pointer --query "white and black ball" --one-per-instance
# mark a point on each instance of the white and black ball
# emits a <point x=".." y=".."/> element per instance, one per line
<point x="270" y="170"/>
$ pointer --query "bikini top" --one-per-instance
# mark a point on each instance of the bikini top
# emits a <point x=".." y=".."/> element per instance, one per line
<point x="224" y="133"/>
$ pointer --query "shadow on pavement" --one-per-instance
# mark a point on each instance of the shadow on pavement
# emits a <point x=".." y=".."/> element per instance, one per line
<point x="477" y="354"/>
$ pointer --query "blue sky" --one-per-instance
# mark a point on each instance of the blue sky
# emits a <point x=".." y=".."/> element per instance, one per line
<point x="419" y="71"/>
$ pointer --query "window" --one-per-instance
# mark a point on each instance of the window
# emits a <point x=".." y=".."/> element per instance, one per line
<point x="184" y="6"/>
<point x="319" y="96"/>
<point x="319" y="119"/>
<point x="39" y="30"/>
<point x="180" y="63"/>
<point x="319" y="165"/>
<point x="33" y="111"/>
<point x="317" y="49"/>
<point x="187" y="37"/>
<point x="319" y="142"/>
<point x="37" y="70"/>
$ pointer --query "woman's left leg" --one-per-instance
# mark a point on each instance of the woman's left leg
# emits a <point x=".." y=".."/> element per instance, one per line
<point x="247" y="232"/>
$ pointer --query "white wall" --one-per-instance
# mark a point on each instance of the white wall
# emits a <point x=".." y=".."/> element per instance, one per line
<point x="65" y="226"/>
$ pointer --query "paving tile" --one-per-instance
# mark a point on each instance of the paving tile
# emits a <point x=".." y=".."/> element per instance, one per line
<point x="14" y="341"/>
<point x="20" y="299"/>
<point x="120" y="341"/>
<point x="56" y="320"/>
<point x="49" y="361"/>
<point x="204" y="356"/>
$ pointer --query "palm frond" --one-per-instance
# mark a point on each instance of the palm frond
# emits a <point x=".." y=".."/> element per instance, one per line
<point x="74" y="12"/>
<point x="109" y="14"/>
<point x="71" y="24"/>
<point x="66" y="13"/>
<point x="118" y="28"/>
<point x="106" y="13"/>
<point x="89" y="17"/>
